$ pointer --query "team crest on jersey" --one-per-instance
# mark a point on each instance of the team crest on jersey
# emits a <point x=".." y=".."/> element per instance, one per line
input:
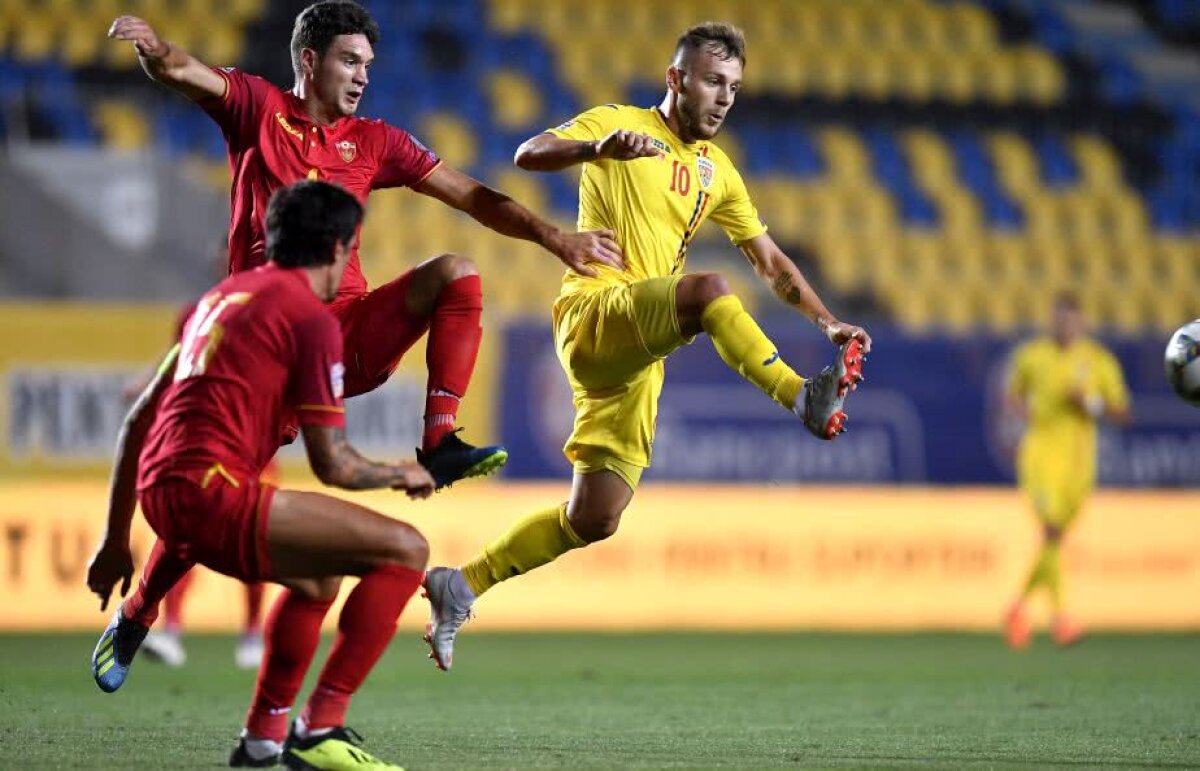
<point x="706" y="168"/>
<point x="337" y="379"/>
<point x="347" y="150"/>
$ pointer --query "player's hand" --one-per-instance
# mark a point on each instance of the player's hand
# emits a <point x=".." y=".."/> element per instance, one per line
<point x="111" y="563"/>
<point x="839" y="332"/>
<point x="141" y="34"/>
<point x="576" y="250"/>
<point x="414" y="480"/>
<point x="627" y="146"/>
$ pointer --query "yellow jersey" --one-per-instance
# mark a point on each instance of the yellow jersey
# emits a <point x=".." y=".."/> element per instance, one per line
<point x="654" y="205"/>
<point x="1046" y="375"/>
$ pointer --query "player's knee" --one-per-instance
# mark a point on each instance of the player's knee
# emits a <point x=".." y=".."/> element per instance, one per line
<point x="1053" y="533"/>
<point x="315" y="588"/>
<point x="594" y="526"/>
<point x="451" y="267"/>
<point x="709" y="287"/>
<point x="406" y="546"/>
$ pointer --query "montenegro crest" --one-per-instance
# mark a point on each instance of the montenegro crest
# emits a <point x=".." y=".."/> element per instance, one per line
<point x="347" y="150"/>
<point x="705" y="167"/>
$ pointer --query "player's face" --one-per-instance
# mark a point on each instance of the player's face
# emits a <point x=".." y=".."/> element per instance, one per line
<point x="705" y="87"/>
<point x="340" y="76"/>
<point x="1068" y="323"/>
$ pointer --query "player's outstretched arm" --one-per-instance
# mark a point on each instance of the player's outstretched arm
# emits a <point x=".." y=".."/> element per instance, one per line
<point x="507" y="217"/>
<point x="778" y="271"/>
<point x="113" y="561"/>
<point x="337" y="464"/>
<point x="168" y="64"/>
<point x="546" y="152"/>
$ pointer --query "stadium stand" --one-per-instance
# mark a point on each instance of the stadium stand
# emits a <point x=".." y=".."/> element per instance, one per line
<point x="947" y="163"/>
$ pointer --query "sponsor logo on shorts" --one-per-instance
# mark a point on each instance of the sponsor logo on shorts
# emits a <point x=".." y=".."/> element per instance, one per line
<point x="337" y="379"/>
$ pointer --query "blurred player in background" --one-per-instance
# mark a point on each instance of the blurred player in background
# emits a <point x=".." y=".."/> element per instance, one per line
<point x="276" y="138"/>
<point x="167" y="645"/>
<point x="260" y="349"/>
<point x="1061" y="385"/>
<point x="651" y="175"/>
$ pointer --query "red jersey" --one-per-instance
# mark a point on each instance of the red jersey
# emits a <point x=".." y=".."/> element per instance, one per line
<point x="259" y="349"/>
<point x="273" y="143"/>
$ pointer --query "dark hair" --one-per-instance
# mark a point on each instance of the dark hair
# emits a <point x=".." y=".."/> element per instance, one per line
<point x="723" y="40"/>
<point x="318" y="24"/>
<point x="1067" y="300"/>
<point x="306" y="220"/>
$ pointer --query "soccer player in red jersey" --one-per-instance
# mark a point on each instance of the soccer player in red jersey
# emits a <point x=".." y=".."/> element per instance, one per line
<point x="262" y="350"/>
<point x="278" y="137"/>
<point x="167" y="645"/>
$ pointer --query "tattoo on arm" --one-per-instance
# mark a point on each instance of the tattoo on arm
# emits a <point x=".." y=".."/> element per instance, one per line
<point x="786" y="288"/>
<point x="354" y="472"/>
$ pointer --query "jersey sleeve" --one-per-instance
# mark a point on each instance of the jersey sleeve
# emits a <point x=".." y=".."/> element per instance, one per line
<point x="1113" y="390"/>
<point x="318" y="373"/>
<point x="239" y="110"/>
<point x="736" y="213"/>
<point x="589" y="126"/>
<point x="1019" y="371"/>
<point x="404" y="161"/>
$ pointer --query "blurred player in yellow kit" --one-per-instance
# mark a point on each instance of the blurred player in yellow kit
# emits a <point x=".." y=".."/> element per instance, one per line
<point x="652" y="175"/>
<point x="1062" y="385"/>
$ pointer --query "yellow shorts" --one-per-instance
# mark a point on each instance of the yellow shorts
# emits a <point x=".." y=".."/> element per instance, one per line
<point x="611" y="342"/>
<point x="1058" y="477"/>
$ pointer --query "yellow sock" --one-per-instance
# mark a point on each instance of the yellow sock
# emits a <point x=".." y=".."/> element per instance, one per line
<point x="531" y="542"/>
<point x="1052" y="575"/>
<point x="742" y="345"/>
<point x="1046" y="571"/>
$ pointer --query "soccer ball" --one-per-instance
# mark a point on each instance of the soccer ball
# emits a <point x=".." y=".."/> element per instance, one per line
<point x="1182" y="362"/>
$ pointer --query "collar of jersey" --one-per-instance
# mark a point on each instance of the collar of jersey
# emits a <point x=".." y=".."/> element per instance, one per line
<point x="296" y="113"/>
<point x="673" y="138"/>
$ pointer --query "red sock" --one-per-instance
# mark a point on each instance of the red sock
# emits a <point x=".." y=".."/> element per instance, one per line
<point x="454" y="335"/>
<point x="173" y="603"/>
<point x="365" y="628"/>
<point x="162" y="571"/>
<point x="254" y="598"/>
<point x="292" y="634"/>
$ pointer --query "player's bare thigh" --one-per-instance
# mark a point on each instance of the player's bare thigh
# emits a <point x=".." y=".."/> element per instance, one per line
<point x="312" y="535"/>
<point x="425" y="281"/>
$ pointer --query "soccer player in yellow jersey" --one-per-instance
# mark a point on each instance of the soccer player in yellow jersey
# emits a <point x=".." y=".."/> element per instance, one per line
<point x="1062" y="385"/>
<point x="651" y="175"/>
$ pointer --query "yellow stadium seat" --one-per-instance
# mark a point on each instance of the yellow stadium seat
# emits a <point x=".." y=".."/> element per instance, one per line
<point x="969" y="28"/>
<point x="832" y="79"/>
<point x="953" y="78"/>
<point x="516" y="102"/>
<point x="1099" y="166"/>
<point x="871" y="74"/>
<point x="34" y="36"/>
<point x="81" y="42"/>
<point x="510" y="16"/>
<point x="1015" y="163"/>
<point x="845" y="156"/>
<point x="913" y="76"/>
<point x="122" y="125"/>
<point x="453" y="138"/>
<point x="999" y="78"/>
<point x="1041" y="80"/>
<point x="222" y="46"/>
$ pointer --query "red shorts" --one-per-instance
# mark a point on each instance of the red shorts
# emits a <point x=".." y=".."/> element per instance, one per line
<point x="218" y="525"/>
<point x="377" y="330"/>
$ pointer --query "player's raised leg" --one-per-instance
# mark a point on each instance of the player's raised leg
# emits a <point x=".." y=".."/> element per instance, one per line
<point x="442" y="296"/>
<point x="598" y="499"/>
<point x="704" y="303"/>
<point x="131" y="621"/>
<point x="312" y="539"/>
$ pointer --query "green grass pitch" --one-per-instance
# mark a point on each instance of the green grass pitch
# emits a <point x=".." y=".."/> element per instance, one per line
<point x="648" y="701"/>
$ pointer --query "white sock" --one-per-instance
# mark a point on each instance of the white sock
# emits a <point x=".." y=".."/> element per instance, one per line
<point x="258" y="748"/>
<point x="304" y="732"/>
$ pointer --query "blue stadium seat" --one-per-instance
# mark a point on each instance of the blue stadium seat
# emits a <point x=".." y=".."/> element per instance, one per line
<point x="1058" y="167"/>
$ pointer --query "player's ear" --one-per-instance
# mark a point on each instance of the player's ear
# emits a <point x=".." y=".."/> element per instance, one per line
<point x="308" y="61"/>
<point x="674" y="78"/>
